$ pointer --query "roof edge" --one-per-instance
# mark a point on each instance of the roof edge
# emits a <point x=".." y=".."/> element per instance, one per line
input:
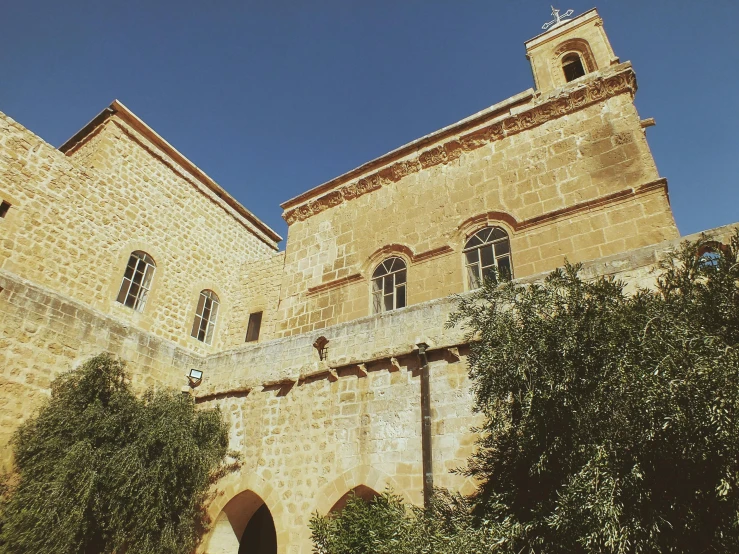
<point x="118" y="108"/>
<point x="474" y="119"/>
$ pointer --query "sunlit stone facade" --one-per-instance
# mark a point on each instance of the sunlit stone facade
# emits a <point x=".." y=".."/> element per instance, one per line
<point x="562" y="170"/>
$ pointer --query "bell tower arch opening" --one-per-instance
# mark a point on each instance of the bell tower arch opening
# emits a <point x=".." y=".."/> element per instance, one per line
<point x="572" y="66"/>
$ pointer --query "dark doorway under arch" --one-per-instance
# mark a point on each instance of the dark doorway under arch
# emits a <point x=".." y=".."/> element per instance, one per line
<point x="259" y="536"/>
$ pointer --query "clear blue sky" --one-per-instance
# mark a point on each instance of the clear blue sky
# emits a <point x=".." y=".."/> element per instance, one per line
<point x="272" y="98"/>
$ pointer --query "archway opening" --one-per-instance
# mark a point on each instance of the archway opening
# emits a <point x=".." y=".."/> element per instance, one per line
<point x="259" y="536"/>
<point x="244" y="526"/>
<point x="361" y="491"/>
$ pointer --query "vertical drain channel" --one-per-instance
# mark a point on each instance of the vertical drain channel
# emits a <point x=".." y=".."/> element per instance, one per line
<point x="428" y="473"/>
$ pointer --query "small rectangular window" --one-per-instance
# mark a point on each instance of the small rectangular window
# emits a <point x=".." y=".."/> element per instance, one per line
<point x="255" y="323"/>
<point x="4" y="207"/>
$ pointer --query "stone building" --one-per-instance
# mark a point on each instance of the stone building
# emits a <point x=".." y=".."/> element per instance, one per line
<point x="117" y="242"/>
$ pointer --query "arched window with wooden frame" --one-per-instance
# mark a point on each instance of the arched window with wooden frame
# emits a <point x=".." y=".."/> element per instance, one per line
<point x="206" y="315"/>
<point x="389" y="285"/>
<point x="484" y="252"/>
<point x="571" y="60"/>
<point x="137" y="280"/>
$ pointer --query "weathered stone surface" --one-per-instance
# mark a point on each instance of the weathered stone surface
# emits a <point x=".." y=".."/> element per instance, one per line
<point x="565" y="170"/>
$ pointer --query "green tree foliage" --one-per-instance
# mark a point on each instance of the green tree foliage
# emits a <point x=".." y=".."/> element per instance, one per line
<point x="385" y="525"/>
<point x="100" y="471"/>
<point x="611" y="422"/>
<point x="611" y="419"/>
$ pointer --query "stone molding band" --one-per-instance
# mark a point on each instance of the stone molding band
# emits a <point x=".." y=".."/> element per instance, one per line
<point x="378" y="256"/>
<point x="548" y="108"/>
<point x="659" y="184"/>
<point x="335" y="283"/>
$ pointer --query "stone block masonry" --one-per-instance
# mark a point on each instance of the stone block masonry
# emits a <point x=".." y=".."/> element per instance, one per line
<point x="43" y="334"/>
<point x="312" y="430"/>
<point x="564" y="170"/>
<point x="77" y="218"/>
<point x="567" y="174"/>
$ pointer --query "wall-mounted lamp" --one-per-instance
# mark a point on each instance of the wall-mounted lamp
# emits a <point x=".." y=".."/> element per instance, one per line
<point x="321" y="345"/>
<point x="195" y="377"/>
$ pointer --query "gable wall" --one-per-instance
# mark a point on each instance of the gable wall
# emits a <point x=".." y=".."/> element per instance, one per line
<point x="75" y="220"/>
<point x="588" y="177"/>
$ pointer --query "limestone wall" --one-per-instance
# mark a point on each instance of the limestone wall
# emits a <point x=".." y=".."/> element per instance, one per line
<point x="566" y="172"/>
<point x="310" y="431"/>
<point x="258" y="291"/>
<point x="43" y="334"/>
<point x="75" y="220"/>
<point x="569" y="174"/>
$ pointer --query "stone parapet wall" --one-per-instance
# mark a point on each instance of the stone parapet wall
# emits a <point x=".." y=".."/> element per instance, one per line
<point x="372" y="339"/>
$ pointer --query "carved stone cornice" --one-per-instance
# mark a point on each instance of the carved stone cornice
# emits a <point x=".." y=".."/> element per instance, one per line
<point x="604" y="85"/>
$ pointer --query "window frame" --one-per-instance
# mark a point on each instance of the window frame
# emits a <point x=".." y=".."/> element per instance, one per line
<point x="254" y="326"/>
<point x="144" y="267"/>
<point x="391" y="273"/>
<point x="489" y="241"/>
<point x="206" y="317"/>
<point x="4" y="208"/>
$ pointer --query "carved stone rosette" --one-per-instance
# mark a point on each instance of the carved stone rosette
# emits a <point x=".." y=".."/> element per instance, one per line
<point x="546" y="109"/>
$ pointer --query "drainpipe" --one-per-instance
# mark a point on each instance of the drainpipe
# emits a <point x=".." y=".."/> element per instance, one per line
<point x="428" y="474"/>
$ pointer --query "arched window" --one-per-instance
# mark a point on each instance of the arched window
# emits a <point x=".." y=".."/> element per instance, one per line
<point x="572" y="66"/>
<point x="205" y="316"/>
<point x="388" y="285"/>
<point x="709" y="253"/>
<point x="484" y="251"/>
<point x="137" y="281"/>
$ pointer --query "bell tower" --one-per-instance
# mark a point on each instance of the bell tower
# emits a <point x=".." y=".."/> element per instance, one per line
<point x="569" y="49"/>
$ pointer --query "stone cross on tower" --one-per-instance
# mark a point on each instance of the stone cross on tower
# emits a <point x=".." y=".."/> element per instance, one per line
<point x="558" y="19"/>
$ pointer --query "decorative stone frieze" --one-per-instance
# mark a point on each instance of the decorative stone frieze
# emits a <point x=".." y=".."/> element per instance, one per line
<point x="618" y="80"/>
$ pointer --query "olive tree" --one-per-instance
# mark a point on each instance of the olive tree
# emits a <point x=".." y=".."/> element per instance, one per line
<point x="611" y="420"/>
<point x="100" y="470"/>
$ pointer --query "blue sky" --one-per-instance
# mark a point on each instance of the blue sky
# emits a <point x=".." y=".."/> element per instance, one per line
<point x="273" y="98"/>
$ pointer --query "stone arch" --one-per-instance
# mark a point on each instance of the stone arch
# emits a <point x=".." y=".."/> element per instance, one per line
<point x="389" y="250"/>
<point x="361" y="476"/>
<point x="473" y="224"/>
<point x="235" y="524"/>
<point x="579" y="46"/>
<point x="237" y="502"/>
<point x="362" y="491"/>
